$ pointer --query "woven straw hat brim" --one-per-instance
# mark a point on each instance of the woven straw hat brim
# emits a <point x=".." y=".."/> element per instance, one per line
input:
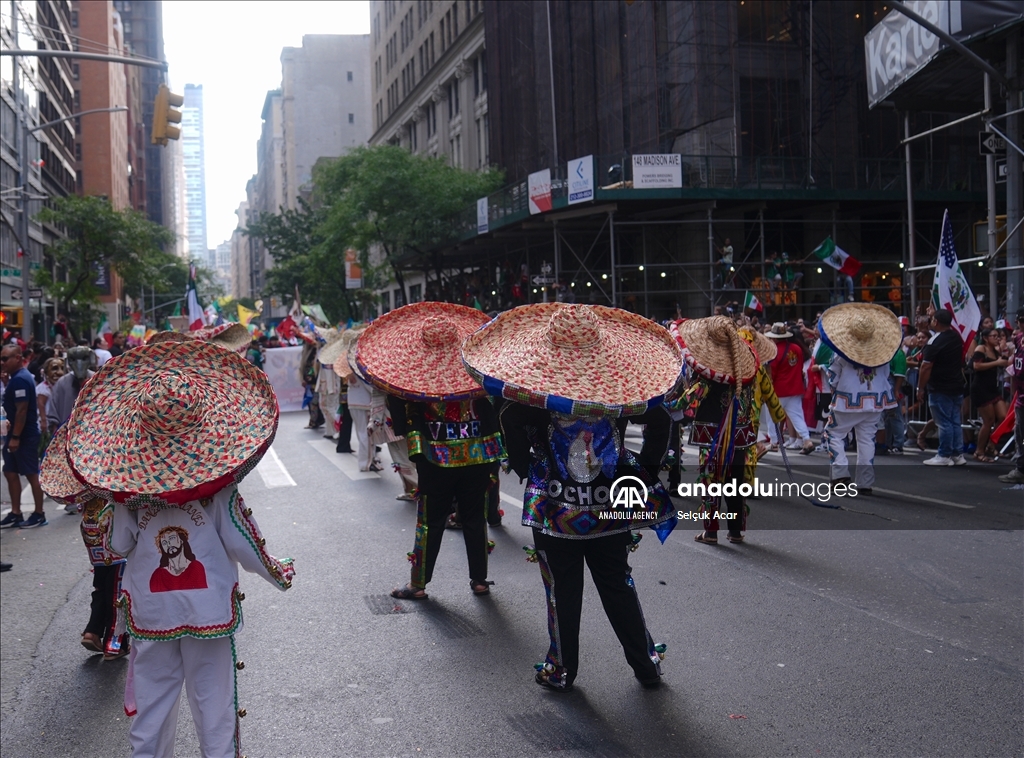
<point x="166" y="336"/>
<point x="765" y="348"/>
<point x="343" y="363"/>
<point x="394" y="356"/>
<point x="864" y="333"/>
<point x="232" y="336"/>
<point x="55" y="474"/>
<point x="714" y="349"/>
<point x="334" y="349"/>
<point x="628" y="366"/>
<point x="125" y="445"/>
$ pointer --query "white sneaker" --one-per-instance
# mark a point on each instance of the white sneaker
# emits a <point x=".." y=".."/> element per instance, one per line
<point x="940" y="460"/>
<point x="792" y="444"/>
<point x="959" y="460"/>
<point x="1014" y="477"/>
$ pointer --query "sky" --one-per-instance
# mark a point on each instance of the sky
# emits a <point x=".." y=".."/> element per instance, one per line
<point x="234" y="50"/>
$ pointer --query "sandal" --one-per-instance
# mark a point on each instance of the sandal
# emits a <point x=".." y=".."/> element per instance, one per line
<point x="981" y="458"/>
<point x="92" y="642"/>
<point x="703" y="538"/>
<point x="920" y="442"/>
<point x="408" y="593"/>
<point x="735" y="538"/>
<point x="480" y="588"/>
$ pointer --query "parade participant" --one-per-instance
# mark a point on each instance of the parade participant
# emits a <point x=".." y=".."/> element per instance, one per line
<point x="573" y="377"/>
<point x="864" y="338"/>
<point x="60" y="484"/>
<point x="166" y="431"/>
<point x="343" y="369"/>
<point x="412" y="354"/>
<point x="765" y="405"/>
<point x="787" y="371"/>
<point x="720" y="400"/>
<point x="328" y="386"/>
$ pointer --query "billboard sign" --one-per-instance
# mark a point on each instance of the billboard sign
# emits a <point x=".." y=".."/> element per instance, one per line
<point x="897" y="47"/>
<point x="659" y="171"/>
<point x="539" y="190"/>
<point x="581" y="180"/>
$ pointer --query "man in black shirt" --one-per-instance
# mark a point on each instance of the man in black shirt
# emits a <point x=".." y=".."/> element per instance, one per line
<point x="942" y="374"/>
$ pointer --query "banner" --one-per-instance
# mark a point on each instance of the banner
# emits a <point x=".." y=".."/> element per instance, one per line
<point x="282" y="367"/>
<point x="539" y="190"/>
<point x="658" y="171"/>
<point x="897" y="48"/>
<point x="482" y="217"/>
<point x="353" y="272"/>
<point x="581" y="180"/>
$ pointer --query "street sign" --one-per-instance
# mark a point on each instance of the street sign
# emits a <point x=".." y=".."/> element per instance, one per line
<point x="10" y="272"/>
<point x="33" y="292"/>
<point x="1001" y="172"/>
<point x="991" y="144"/>
<point x="543" y="280"/>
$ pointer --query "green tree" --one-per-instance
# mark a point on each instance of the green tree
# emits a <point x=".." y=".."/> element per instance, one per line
<point x="388" y="199"/>
<point x="98" y="239"/>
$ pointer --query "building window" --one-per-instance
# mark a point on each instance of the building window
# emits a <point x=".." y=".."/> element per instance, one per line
<point x="479" y="146"/>
<point x="485" y="147"/>
<point x="397" y="299"/>
<point x="351" y="118"/>
<point x="476" y="77"/>
<point x="415" y="293"/>
<point x="442" y="36"/>
<point x="385" y="302"/>
<point x="431" y="120"/>
<point x="453" y="99"/>
<point x="455" y="22"/>
<point x="413" y="142"/>
<point x="350" y="76"/>
<point x="458" y="150"/>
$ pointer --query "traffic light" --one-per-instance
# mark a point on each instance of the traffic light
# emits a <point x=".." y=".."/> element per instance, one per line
<point x="164" y="114"/>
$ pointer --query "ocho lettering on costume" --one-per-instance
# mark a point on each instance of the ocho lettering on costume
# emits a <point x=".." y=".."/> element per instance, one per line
<point x="629" y="492"/>
<point x="583" y="494"/>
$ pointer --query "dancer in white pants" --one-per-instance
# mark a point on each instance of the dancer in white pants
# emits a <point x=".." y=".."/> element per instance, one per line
<point x="188" y="420"/>
<point x="864" y="338"/>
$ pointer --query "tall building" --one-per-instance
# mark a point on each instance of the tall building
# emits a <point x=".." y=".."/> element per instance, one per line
<point x="102" y="144"/>
<point x="193" y="153"/>
<point x="430" y="79"/>
<point x="34" y="163"/>
<point x="321" y="110"/>
<point x="142" y="23"/>
<point x="759" y="113"/>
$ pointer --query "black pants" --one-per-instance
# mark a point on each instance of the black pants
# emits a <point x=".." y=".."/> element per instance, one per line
<point x="102" y="612"/>
<point x="345" y="431"/>
<point x="561" y="561"/>
<point x="439" y="487"/>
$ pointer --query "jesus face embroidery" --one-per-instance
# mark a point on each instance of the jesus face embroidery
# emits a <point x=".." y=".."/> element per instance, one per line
<point x="178" y="569"/>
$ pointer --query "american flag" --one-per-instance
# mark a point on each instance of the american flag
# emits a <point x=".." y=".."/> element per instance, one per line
<point x="951" y="290"/>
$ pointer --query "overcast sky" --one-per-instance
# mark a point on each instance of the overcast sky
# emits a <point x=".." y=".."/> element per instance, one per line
<point x="234" y="50"/>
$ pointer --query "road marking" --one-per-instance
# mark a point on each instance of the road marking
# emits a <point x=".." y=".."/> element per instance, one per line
<point x="511" y="500"/>
<point x="272" y="471"/>
<point x="346" y="463"/>
<point x="878" y="489"/>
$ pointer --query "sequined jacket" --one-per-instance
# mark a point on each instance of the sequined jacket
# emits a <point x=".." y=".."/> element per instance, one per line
<point x="448" y="434"/>
<point x="570" y="464"/>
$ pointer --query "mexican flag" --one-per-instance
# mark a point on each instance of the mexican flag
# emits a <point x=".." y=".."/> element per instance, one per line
<point x="749" y="301"/>
<point x="830" y="253"/>
<point x="195" y="310"/>
<point x="105" y="332"/>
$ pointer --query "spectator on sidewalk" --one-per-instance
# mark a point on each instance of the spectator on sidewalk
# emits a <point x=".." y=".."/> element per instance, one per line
<point x="21" y="449"/>
<point x="1016" y="475"/>
<point x="942" y="375"/>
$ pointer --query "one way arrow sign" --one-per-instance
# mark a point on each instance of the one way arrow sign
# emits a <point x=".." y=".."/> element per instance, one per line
<point x="991" y="144"/>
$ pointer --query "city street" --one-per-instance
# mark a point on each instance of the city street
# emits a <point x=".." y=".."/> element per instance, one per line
<point x="893" y="628"/>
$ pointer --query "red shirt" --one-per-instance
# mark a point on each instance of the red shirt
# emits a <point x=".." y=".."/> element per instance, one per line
<point x="1018" y="369"/>
<point x="788" y="371"/>
<point x="192" y="578"/>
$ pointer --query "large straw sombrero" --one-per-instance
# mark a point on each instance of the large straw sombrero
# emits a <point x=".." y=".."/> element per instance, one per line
<point x="863" y="333"/>
<point x="715" y="350"/>
<point x="171" y="422"/>
<point x="347" y="353"/>
<point x="413" y="352"/>
<point x="582" y="360"/>
<point x="333" y="347"/>
<point x="55" y="475"/>
<point x="765" y="348"/>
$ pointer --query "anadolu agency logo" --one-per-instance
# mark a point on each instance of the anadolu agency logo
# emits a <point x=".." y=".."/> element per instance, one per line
<point x="630" y="494"/>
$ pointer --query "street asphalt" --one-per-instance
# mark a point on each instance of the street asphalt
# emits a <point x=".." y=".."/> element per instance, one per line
<point x="894" y="627"/>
